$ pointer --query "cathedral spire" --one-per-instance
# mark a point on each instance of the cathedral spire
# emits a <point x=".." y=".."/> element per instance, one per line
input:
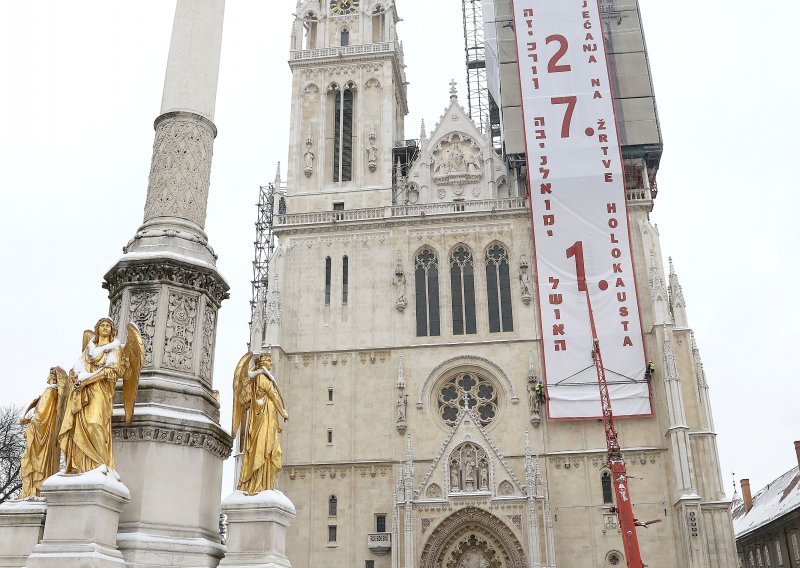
<point x="676" y="300"/>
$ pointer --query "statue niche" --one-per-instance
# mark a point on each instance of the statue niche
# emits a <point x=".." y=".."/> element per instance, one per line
<point x="457" y="160"/>
<point x="469" y="469"/>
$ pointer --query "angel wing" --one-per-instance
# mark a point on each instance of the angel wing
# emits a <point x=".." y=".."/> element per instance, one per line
<point x="240" y="379"/>
<point x="87" y="336"/>
<point x="64" y="391"/>
<point x="133" y="355"/>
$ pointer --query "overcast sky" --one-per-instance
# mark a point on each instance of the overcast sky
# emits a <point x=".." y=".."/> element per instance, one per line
<point x="80" y="86"/>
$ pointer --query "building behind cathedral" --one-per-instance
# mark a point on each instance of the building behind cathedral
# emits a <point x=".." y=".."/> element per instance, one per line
<point x="403" y="320"/>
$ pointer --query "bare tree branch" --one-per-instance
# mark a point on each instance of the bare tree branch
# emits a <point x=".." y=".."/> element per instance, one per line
<point x="12" y="444"/>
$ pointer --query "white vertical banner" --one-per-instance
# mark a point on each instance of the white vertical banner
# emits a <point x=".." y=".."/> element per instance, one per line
<point x="579" y="212"/>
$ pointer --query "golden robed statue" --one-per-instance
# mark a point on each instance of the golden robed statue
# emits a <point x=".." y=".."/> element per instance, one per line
<point x="257" y="403"/>
<point x="85" y="433"/>
<point x="42" y="457"/>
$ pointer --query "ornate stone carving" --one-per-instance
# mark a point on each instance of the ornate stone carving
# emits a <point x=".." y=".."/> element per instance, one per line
<point x="114" y="311"/>
<point x="469" y="469"/>
<point x="399" y="283"/>
<point x="505" y="489"/>
<point x="457" y="160"/>
<point x="402" y="404"/>
<point x="471" y="522"/>
<point x="525" y="280"/>
<point x="216" y="444"/>
<point x="308" y="157"/>
<point x="181" y="167"/>
<point x="179" y="337"/>
<point x="207" y="346"/>
<point x="143" y="312"/>
<point x="433" y="491"/>
<point x="168" y="271"/>
<point x="372" y="150"/>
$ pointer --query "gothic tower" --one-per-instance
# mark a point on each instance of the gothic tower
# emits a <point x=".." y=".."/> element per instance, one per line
<point x="403" y="320"/>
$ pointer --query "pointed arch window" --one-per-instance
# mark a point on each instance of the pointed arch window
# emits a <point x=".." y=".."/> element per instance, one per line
<point x="343" y="134"/>
<point x="608" y="493"/>
<point x="462" y="286"/>
<point x="426" y="281"/>
<point x="498" y="289"/>
<point x="327" y="281"/>
<point x="345" y="277"/>
<point x="332" y="505"/>
<point x="345" y="37"/>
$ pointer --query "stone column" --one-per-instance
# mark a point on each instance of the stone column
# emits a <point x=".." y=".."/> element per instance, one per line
<point x="167" y="282"/>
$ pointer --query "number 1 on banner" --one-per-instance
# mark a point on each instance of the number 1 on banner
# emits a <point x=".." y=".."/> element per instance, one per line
<point x="576" y="250"/>
<point x="570" y="102"/>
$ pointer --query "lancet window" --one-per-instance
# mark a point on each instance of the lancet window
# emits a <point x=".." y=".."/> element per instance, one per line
<point x="608" y="494"/>
<point x="332" y="505"/>
<point x="426" y="280"/>
<point x="343" y="133"/>
<point x="345" y="38"/>
<point x="345" y="277"/>
<point x="498" y="289"/>
<point x="467" y="390"/>
<point x="462" y="285"/>
<point x="328" y="281"/>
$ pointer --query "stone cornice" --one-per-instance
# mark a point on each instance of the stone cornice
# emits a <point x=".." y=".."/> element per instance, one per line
<point x="212" y="439"/>
<point x="141" y="271"/>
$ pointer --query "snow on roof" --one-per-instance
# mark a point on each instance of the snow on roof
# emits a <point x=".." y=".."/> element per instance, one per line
<point x="775" y="500"/>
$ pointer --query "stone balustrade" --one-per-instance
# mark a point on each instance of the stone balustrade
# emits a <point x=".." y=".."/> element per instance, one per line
<point x="369" y="48"/>
<point x="395" y="211"/>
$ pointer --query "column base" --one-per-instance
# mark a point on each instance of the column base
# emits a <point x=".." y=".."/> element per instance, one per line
<point x="257" y="529"/>
<point x="82" y="517"/>
<point x="21" y="528"/>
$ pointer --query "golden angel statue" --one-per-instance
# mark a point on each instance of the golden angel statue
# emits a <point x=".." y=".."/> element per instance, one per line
<point x="85" y="434"/>
<point x="257" y="402"/>
<point x="42" y="457"/>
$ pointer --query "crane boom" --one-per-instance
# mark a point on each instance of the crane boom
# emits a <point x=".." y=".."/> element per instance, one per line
<point x="616" y="463"/>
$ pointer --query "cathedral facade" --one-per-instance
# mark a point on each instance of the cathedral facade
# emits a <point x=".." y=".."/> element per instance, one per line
<point x="403" y="320"/>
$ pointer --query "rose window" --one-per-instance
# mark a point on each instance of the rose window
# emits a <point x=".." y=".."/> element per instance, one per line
<point x="467" y="390"/>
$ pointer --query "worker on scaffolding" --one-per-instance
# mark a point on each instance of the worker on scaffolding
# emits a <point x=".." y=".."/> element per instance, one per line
<point x="649" y="370"/>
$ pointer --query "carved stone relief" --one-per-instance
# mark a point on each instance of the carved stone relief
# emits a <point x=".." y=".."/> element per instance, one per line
<point x="143" y="312"/>
<point x="181" y="168"/>
<point x="114" y="311"/>
<point x="207" y="352"/>
<point x="469" y="469"/>
<point x="505" y="489"/>
<point x="433" y="491"/>
<point x="214" y="444"/>
<point x="179" y="338"/>
<point x="166" y="271"/>
<point x="457" y="160"/>
<point x="525" y="280"/>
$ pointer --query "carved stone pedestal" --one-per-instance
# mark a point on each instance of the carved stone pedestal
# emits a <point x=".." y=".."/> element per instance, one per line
<point x="257" y="529"/>
<point x="82" y="517"/>
<point x="21" y="527"/>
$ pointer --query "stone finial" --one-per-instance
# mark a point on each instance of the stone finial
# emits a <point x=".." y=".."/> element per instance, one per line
<point x="422" y="134"/>
<point x="453" y="90"/>
<point x="278" y="176"/>
<point x="676" y="299"/>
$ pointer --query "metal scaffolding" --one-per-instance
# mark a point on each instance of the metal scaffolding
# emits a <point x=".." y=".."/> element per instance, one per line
<point x="264" y="245"/>
<point x="482" y="107"/>
<point x="478" y="94"/>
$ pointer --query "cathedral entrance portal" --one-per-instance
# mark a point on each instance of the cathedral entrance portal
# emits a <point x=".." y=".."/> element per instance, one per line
<point x="472" y="538"/>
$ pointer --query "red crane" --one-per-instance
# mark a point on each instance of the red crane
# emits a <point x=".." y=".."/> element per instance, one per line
<point x="616" y="463"/>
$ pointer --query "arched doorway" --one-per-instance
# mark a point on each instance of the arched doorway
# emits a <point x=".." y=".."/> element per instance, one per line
<point x="472" y="538"/>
